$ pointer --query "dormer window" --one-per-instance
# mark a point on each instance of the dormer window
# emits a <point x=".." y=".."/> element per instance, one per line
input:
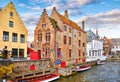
<point x="43" y="25"/>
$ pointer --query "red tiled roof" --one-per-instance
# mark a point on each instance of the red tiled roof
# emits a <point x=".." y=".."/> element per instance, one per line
<point x="109" y="41"/>
<point x="70" y="23"/>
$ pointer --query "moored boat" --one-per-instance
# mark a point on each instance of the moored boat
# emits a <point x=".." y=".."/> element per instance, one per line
<point x="42" y="78"/>
<point x="101" y="62"/>
<point x="82" y="67"/>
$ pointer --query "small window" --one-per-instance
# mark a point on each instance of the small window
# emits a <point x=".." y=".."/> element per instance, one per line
<point x="83" y="44"/>
<point x="69" y="53"/>
<point x="43" y="25"/>
<point x="15" y="52"/>
<point x="22" y="38"/>
<point x="48" y="36"/>
<point x="40" y="37"/>
<point x="83" y="54"/>
<point x="21" y="53"/>
<point x="5" y="36"/>
<point x="70" y="30"/>
<point x="79" y="43"/>
<point x="14" y="37"/>
<point x="69" y="40"/>
<point x="79" y="34"/>
<point x="65" y="40"/>
<point x="65" y="28"/>
<point x="10" y="23"/>
<point x="89" y="52"/>
<point x="11" y="14"/>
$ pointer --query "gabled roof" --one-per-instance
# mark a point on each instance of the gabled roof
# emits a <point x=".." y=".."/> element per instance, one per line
<point x="91" y="35"/>
<point x="10" y="4"/>
<point x="115" y="41"/>
<point x="70" y="23"/>
<point x="109" y="41"/>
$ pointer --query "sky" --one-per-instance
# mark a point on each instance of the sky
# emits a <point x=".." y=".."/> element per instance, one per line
<point x="103" y="15"/>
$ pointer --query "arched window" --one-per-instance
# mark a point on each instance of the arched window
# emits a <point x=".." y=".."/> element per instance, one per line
<point x="39" y="36"/>
<point x="48" y="36"/>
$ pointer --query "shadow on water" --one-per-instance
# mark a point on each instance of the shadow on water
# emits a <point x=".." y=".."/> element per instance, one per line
<point x="109" y="72"/>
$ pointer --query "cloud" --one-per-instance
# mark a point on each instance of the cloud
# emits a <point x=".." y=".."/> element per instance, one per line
<point x="74" y="6"/>
<point x="102" y="20"/>
<point x="30" y="20"/>
<point x="81" y="2"/>
<point x="21" y="5"/>
<point x="37" y="8"/>
<point x="34" y="2"/>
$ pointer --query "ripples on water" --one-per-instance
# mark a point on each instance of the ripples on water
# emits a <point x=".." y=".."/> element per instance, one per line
<point x="109" y="72"/>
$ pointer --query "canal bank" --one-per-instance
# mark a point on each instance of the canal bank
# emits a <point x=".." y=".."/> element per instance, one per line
<point x="108" y="72"/>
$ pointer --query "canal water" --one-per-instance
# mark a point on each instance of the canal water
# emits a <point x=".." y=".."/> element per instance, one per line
<point x="109" y="72"/>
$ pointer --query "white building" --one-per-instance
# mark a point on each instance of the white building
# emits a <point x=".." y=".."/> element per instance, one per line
<point x="115" y="46"/>
<point x="94" y="47"/>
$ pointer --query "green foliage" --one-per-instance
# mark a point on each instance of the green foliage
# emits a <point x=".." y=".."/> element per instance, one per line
<point x="1" y="56"/>
<point x="54" y="23"/>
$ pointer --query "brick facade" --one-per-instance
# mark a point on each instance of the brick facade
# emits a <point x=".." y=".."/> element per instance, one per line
<point x="59" y="35"/>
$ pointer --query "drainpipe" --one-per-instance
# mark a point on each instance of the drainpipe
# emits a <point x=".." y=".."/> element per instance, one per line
<point x="55" y="49"/>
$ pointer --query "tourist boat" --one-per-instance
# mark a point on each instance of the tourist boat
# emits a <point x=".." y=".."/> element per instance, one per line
<point x="101" y="62"/>
<point x="42" y="78"/>
<point x="82" y="67"/>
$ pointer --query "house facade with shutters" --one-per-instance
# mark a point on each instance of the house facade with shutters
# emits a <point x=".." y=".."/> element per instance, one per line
<point x="59" y="37"/>
<point x="13" y="34"/>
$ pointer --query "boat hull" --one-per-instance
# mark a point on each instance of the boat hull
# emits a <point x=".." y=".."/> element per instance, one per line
<point x="83" y="69"/>
<point x="48" y="80"/>
<point x="101" y="63"/>
<point x="43" y="78"/>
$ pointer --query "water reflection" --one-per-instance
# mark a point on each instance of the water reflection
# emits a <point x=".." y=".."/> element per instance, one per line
<point x="109" y="72"/>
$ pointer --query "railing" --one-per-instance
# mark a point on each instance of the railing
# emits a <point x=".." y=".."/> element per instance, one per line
<point x="23" y="67"/>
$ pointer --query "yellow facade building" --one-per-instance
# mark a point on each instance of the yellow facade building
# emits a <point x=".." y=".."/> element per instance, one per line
<point x="13" y="34"/>
<point x="59" y="36"/>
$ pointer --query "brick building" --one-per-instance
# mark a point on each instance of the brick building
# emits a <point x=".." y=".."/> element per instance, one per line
<point x="106" y="46"/>
<point x="58" y="36"/>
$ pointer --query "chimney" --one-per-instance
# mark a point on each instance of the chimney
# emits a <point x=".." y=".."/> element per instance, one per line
<point x="54" y="8"/>
<point x="83" y="25"/>
<point x="44" y="10"/>
<point x="66" y="13"/>
<point x="96" y="31"/>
